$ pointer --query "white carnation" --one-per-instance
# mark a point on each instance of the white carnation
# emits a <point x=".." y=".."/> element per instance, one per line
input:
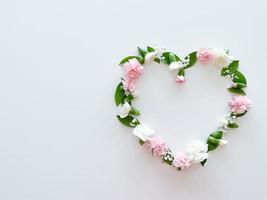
<point x="150" y="57"/>
<point x="221" y="58"/>
<point x="143" y="131"/>
<point x="124" y="109"/>
<point x="197" y="151"/>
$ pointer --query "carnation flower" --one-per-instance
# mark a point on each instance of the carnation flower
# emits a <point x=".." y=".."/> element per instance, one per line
<point x="181" y="161"/>
<point x="133" y="69"/>
<point x="156" y="145"/>
<point x="150" y="57"/>
<point x="221" y="58"/>
<point x="143" y="131"/>
<point x="239" y="104"/>
<point x="129" y="85"/>
<point x="205" y="55"/>
<point x="124" y="109"/>
<point x="197" y="151"/>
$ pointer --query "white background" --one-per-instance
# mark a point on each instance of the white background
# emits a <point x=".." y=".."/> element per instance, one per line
<point x="59" y="138"/>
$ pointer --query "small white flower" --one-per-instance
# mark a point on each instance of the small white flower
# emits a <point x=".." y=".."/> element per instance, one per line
<point x="175" y="65"/>
<point x="143" y="131"/>
<point x="234" y="84"/>
<point x="124" y="109"/>
<point x="197" y="151"/>
<point x="150" y="57"/>
<point x="134" y="120"/>
<point x="186" y="61"/>
<point x="223" y="142"/>
<point x="158" y="51"/>
<point x="135" y="93"/>
<point x="230" y="118"/>
<point x="221" y="58"/>
<point x="223" y="122"/>
<point x="132" y="123"/>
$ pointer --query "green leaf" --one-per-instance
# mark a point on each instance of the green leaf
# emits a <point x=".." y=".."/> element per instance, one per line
<point x="128" y="98"/>
<point x="181" y="72"/>
<point x="203" y="162"/>
<point x="238" y="114"/>
<point x="126" y="59"/>
<point x="150" y="49"/>
<point x="237" y="91"/>
<point x="233" y="125"/>
<point x="212" y="143"/>
<point x="119" y="94"/>
<point x="172" y="57"/>
<point x="213" y="140"/>
<point x="134" y="112"/>
<point x="141" y="142"/>
<point x="142" y="52"/>
<point x="166" y="59"/>
<point x="129" y="121"/>
<point x="157" y="60"/>
<point x="177" y="57"/>
<point x="240" y="79"/>
<point x="217" y="134"/>
<point x="192" y="59"/>
<point x="169" y="162"/>
<point x="211" y="146"/>
<point x="225" y="71"/>
<point x="233" y="66"/>
<point x="230" y="69"/>
<point x="241" y="85"/>
<point x="168" y="157"/>
<point x="141" y="59"/>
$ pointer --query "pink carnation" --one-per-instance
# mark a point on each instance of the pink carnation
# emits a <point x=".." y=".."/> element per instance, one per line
<point x="133" y="69"/>
<point x="239" y="104"/>
<point x="205" y="55"/>
<point x="157" y="146"/>
<point x="180" y="79"/>
<point x="129" y="85"/>
<point x="181" y="161"/>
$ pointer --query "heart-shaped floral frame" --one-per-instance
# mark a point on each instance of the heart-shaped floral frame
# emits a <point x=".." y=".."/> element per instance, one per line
<point x="196" y="152"/>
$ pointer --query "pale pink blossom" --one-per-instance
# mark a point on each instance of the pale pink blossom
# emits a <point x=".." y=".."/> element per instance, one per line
<point x="181" y="161"/>
<point x="156" y="145"/>
<point x="129" y="85"/>
<point x="205" y="55"/>
<point x="180" y="79"/>
<point x="133" y="69"/>
<point x="239" y="104"/>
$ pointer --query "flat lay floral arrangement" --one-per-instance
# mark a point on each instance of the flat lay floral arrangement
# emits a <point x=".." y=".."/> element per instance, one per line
<point x="198" y="151"/>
